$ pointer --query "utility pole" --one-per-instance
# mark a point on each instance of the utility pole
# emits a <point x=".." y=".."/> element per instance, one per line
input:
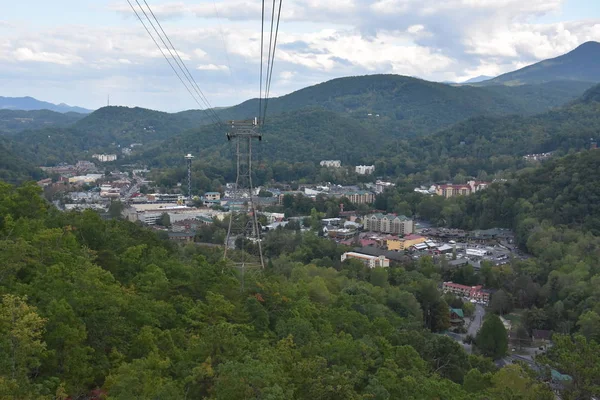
<point x="188" y="160"/>
<point x="243" y="221"/>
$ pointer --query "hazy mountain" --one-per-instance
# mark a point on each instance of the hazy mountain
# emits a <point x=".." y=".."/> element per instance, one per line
<point x="580" y="64"/>
<point x="29" y="103"/>
<point x="479" y="78"/>
<point x="12" y="121"/>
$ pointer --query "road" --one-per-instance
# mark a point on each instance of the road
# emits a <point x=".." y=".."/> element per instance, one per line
<point x="472" y="328"/>
<point x="477" y="320"/>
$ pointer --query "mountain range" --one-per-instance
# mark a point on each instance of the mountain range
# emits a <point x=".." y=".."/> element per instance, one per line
<point x="580" y="64"/>
<point x="29" y="103"/>
<point x="356" y="119"/>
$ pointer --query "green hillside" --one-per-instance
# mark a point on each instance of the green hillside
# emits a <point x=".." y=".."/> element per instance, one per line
<point x="580" y="64"/>
<point x="12" y="121"/>
<point x="14" y="170"/>
<point x="126" y="125"/>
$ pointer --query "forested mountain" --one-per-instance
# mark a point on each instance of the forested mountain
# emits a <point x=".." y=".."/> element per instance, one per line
<point x="29" y="103"/>
<point x="409" y="106"/>
<point x="13" y="169"/>
<point x="126" y="125"/>
<point x="491" y="144"/>
<point x="12" y="121"/>
<point x="580" y="64"/>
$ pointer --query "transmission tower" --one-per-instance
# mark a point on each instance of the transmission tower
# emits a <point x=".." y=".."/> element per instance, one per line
<point x="243" y="221"/>
<point x="188" y="160"/>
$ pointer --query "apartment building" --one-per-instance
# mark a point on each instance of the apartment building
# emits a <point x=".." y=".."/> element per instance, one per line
<point x="364" y="169"/>
<point x="389" y="223"/>
<point x="369" y="261"/>
<point x="360" y="197"/>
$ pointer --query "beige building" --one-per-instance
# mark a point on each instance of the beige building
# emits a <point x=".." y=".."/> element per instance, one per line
<point x="369" y="261"/>
<point x="401" y="244"/>
<point x="389" y="223"/>
<point x="360" y="197"/>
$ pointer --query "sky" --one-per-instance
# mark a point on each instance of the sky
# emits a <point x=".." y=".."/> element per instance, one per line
<point x="80" y="52"/>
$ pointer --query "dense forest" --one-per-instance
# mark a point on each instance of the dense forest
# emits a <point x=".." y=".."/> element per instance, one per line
<point x="14" y="169"/>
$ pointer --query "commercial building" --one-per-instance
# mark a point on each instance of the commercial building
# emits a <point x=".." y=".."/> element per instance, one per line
<point x="471" y="292"/>
<point x="404" y="243"/>
<point x="364" y="169"/>
<point x="369" y="261"/>
<point x="389" y="223"/>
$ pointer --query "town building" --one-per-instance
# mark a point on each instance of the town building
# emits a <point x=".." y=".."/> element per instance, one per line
<point x="380" y="186"/>
<point x="105" y="157"/>
<point x="389" y="223"/>
<point x="211" y="199"/>
<point x="452" y="190"/>
<point x="360" y="197"/>
<point x="476" y="293"/>
<point x="403" y="243"/>
<point x="331" y="163"/>
<point x="364" y="169"/>
<point x="457" y="317"/>
<point x="369" y="261"/>
<point x="89" y="178"/>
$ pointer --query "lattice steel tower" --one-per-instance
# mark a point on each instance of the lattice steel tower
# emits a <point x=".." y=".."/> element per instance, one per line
<point x="188" y="160"/>
<point x="243" y="222"/>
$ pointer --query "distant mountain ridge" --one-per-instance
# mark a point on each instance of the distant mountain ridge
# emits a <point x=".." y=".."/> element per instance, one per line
<point x="29" y="104"/>
<point x="477" y="79"/>
<point x="580" y="64"/>
<point x="14" y="121"/>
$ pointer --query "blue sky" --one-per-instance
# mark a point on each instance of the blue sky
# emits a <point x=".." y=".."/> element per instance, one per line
<point x="79" y="52"/>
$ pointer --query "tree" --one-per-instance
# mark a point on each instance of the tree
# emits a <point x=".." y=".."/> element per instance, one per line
<point x="578" y="358"/>
<point x="164" y="220"/>
<point x="512" y="382"/>
<point x="21" y="346"/>
<point x="379" y="277"/>
<point x="501" y="302"/>
<point x="492" y="339"/>
<point x="589" y="325"/>
<point x="468" y="308"/>
<point x="440" y="316"/>
<point x="115" y="209"/>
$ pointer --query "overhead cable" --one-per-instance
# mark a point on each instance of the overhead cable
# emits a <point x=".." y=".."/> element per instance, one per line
<point x="189" y="75"/>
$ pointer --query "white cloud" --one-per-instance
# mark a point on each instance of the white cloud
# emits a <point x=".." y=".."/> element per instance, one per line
<point x="318" y="40"/>
<point x="212" y="67"/>
<point x="27" y="54"/>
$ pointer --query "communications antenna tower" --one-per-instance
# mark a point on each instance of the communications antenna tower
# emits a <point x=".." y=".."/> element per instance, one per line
<point x="243" y="221"/>
<point x="188" y="161"/>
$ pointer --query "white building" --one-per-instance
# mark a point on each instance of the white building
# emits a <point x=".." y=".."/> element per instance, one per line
<point x="331" y="163"/>
<point x="380" y="186"/>
<point x="364" y="169"/>
<point x="369" y="261"/>
<point x="105" y="157"/>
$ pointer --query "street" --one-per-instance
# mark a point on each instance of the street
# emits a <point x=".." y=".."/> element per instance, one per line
<point x="476" y="320"/>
